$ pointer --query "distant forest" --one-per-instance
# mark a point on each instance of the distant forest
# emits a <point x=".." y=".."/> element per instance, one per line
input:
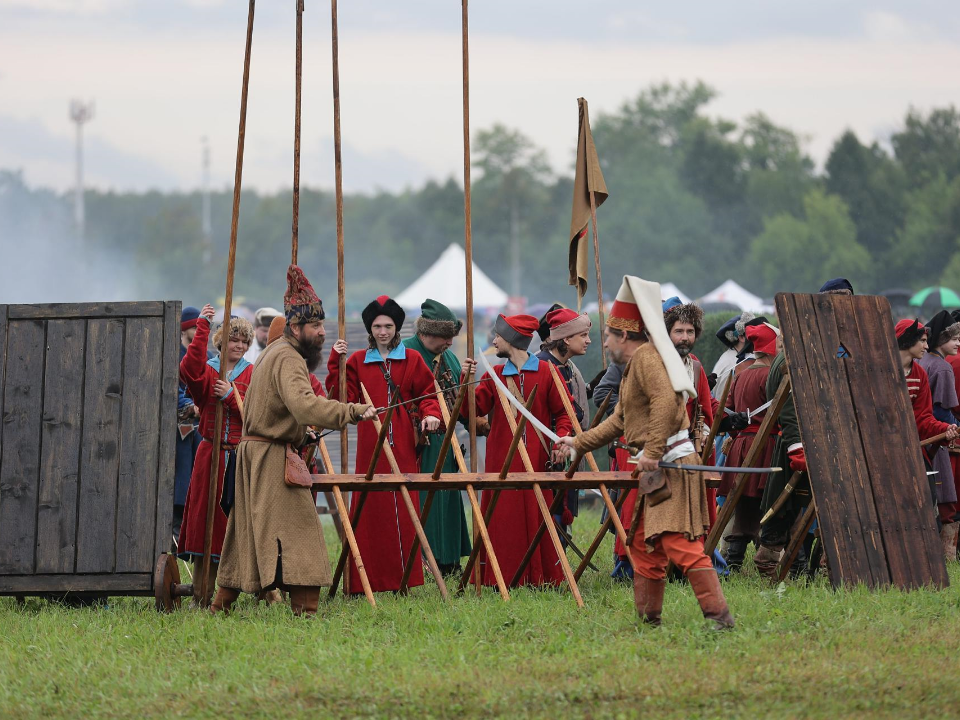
<point x="693" y="200"/>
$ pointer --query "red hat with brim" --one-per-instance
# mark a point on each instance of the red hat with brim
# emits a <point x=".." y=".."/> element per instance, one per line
<point x="763" y="337"/>
<point x="516" y="329"/>
<point x="566" y="323"/>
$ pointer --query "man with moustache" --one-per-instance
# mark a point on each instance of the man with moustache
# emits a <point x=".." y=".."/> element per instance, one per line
<point x="273" y="537"/>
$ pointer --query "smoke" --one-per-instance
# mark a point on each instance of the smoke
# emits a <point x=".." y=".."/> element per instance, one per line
<point x="42" y="259"/>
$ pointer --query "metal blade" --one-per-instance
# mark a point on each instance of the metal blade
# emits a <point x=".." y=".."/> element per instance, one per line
<point x="516" y="403"/>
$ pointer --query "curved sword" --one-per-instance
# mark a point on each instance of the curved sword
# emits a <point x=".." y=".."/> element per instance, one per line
<point x="516" y="403"/>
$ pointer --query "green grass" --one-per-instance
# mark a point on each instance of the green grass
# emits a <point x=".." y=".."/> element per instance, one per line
<point x="798" y="651"/>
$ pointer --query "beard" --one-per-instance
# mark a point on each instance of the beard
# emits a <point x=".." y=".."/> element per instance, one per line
<point x="684" y="349"/>
<point x="312" y="352"/>
<point x="504" y="353"/>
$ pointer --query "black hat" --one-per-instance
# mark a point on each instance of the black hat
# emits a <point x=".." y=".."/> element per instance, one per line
<point x="837" y="286"/>
<point x="383" y="305"/>
<point x="942" y="328"/>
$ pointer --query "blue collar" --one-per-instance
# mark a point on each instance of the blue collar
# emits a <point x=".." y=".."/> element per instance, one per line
<point x="373" y="355"/>
<point x="241" y="365"/>
<point x="532" y="364"/>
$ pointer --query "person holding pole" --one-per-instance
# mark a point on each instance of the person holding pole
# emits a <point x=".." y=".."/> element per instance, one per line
<point x="202" y="378"/>
<point x="651" y="415"/>
<point x="390" y="373"/>
<point x="274" y="538"/>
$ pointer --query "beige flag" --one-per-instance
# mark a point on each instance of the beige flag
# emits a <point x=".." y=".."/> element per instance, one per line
<point x="588" y="179"/>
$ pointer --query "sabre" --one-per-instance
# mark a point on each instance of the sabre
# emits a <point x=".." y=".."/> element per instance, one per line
<point x="705" y="468"/>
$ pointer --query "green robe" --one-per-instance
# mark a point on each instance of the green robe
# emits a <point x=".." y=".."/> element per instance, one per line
<point x="446" y="527"/>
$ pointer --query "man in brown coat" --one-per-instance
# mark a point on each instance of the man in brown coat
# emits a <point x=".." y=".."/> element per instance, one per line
<point x="274" y="537"/>
<point x="651" y="414"/>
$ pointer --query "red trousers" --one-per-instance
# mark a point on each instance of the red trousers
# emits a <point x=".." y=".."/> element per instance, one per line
<point x="671" y="546"/>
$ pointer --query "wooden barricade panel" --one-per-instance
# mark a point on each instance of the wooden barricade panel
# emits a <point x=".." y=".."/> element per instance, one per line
<point x="877" y="519"/>
<point x="88" y="406"/>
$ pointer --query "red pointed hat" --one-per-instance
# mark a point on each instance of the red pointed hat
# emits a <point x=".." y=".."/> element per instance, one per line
<point x="763" y="337"/>
<point x="517" y="329"/>
<point x="300" y="303"/>
<point x="383" y="305"/>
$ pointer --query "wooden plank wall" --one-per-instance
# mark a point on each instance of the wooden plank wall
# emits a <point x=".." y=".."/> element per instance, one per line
<point x="88" y="406"/>
<point x="877" y="520"/>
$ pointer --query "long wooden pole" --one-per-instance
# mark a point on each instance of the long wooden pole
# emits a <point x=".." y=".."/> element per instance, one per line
<point x="205" y="588"/>
<point x="338" y="191"/>
<point x="295" y="229"/>
<point x="717" y="417"/>
<point x="596" y="262"/>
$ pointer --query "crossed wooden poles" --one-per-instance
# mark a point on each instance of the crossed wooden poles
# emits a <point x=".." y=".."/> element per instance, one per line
<point x="470" y="482"/>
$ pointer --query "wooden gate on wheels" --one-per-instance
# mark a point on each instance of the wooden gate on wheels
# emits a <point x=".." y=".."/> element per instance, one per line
<point x="88" y="400"/>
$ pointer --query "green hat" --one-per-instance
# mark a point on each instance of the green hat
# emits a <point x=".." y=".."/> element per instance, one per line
<point x="437" y="319"/>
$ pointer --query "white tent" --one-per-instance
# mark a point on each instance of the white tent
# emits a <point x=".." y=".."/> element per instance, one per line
<point x="732" y="293"/>
<point x="669" y="290"/>
<point x="445" y="281"/>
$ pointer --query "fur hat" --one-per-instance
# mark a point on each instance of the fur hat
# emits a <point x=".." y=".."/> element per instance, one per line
<point x="516" y="329"/>
<point x="741" y="325"/>
<point x="942" y="328"/>
<point x="689" y="313"/>
<point x="300" y="303"/>
<point x="438" y="320"/>
<point x="239" y="327"/>
<point x="383" y="305"/>
<point x="837" y="286"/>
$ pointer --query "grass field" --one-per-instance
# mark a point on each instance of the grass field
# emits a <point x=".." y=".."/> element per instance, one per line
<point x="798" y="651"/>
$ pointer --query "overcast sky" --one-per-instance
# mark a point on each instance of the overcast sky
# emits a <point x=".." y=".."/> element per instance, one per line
<point x="166" y="73"/>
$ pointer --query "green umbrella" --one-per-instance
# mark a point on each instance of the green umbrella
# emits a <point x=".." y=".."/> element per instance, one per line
<point x="936" y="296"/>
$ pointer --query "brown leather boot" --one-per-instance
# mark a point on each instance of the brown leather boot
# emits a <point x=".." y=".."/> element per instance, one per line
<point x="706" y="586"/>
<point x="225" y="598"/>
<point x="270" y="597"/>
<point x="766" y="560"/>
<point x="648" y="598"/>
<point x="304" y="599"/>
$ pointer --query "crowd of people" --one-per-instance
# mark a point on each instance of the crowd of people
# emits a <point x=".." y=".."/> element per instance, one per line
<point x="659" y="400"/>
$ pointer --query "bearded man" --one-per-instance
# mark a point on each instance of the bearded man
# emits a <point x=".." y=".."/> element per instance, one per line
<point x="274" y="538"/>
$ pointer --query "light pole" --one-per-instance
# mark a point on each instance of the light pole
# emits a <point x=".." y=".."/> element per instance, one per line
<point x="80" y="113"/>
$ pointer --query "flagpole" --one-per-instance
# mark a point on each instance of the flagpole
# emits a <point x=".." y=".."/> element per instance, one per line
<point x="596" y="260"/>
<point x="295" y="230"/>
<point x="227" y="307"/>
<point x="338" y="174"/>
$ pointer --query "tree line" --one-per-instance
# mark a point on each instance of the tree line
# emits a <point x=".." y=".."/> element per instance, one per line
<point x="694" y="199"/>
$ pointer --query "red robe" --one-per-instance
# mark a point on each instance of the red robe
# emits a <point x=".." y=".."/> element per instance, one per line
<point x="517" y="515"/>
<point x="200" y="377"/>
<point x="918" y="386"/>
<point x="709" y="409"/>
<point x="749" y="392"/>
<point x="385" y="532"/>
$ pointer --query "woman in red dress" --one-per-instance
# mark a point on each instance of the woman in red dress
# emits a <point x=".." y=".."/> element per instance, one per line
<point x="748" y="394"/>
<point x="202" y="378"/>
<point x="385" y="532"/>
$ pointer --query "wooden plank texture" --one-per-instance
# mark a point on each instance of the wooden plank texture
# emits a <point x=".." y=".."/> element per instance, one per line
<point x="860" y="440"/>
<point x="166" y="461"/>
<point x="113" y="583"/>
<point x="139" y="446"/>
<point x="60" y="439"/>
<point x="64" y="311"/>
<point x="480" y="481"/>
<point x="20" y="464"/>
<point x="99" y="464"/>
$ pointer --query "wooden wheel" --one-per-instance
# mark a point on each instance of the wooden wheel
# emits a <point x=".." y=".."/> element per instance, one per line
<point x="166" y="577"/>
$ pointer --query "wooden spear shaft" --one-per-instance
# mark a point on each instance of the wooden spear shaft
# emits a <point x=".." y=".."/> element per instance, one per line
<point x="338" y="179"/>
<point x="227" y="307"/>
<point x="295" y="230"/>
<point x="596" y="262"/>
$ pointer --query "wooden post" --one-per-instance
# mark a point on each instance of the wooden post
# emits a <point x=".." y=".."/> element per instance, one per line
<point x="541" y="501"/>
<point x="411" y="510"/>
<point x="295" y="229"/>
<point x="596" y="261"/>
<point x="790" y="554"/>
<point x="717" y="417"/>
<point x="352" y="544"/>
<point x="337" y="518"/>
<point x="568" y="406"/>
<point x="601" y="534"/>
<point x="756" y="449"/>
<point x="342" y="566"/>
<point x="204" y="579"/>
